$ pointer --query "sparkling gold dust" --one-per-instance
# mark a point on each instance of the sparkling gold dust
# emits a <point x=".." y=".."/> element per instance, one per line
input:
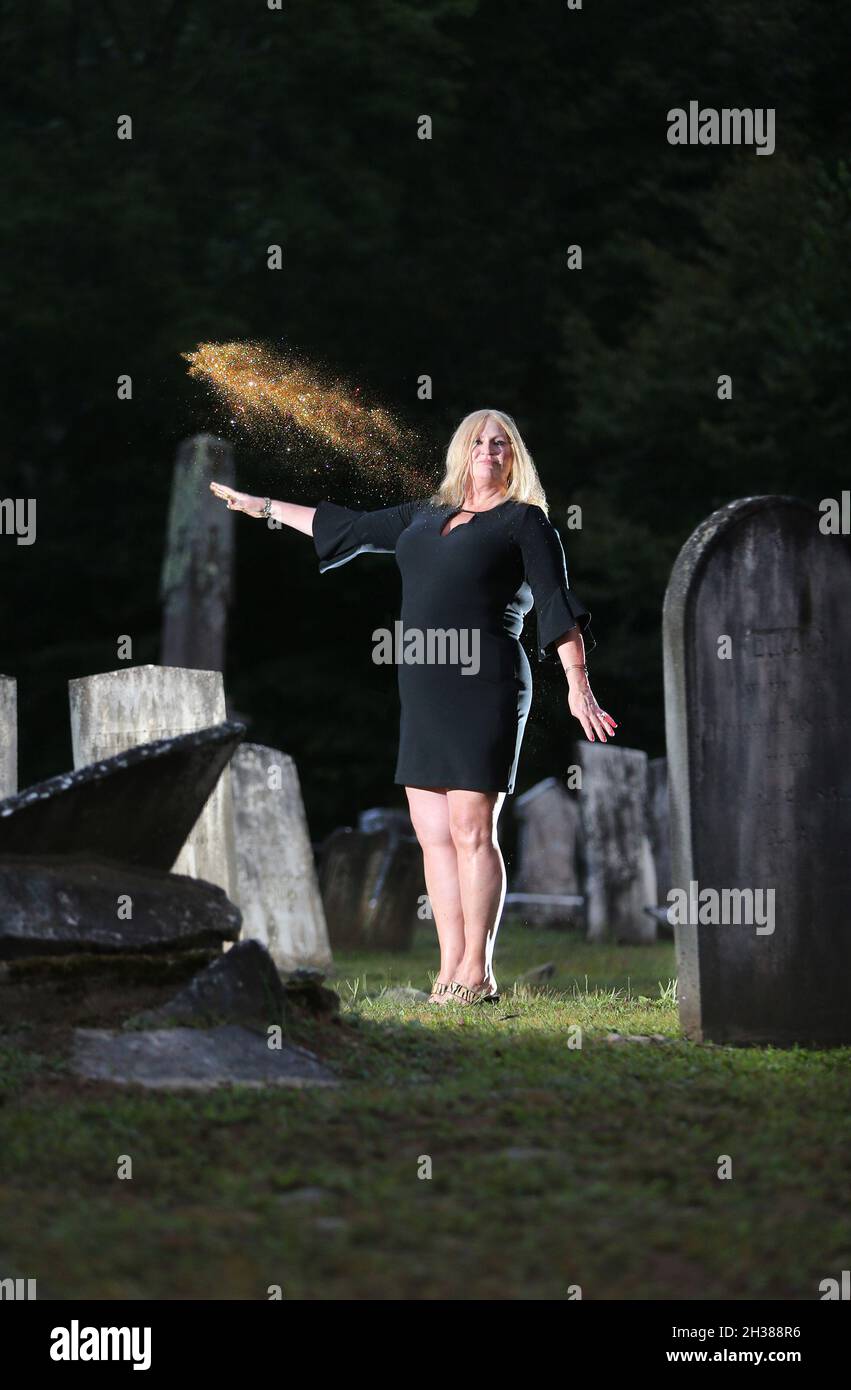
<point x="274" y="395"/>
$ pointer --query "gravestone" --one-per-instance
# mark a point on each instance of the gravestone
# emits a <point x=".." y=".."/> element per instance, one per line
<point x="659" y="825"/>
<point x="372" y="885"/>
<point x="8" y="736"/>
<point x="392" y="818"/>
<point x="136" y="807"/>
<point x="757" y="686"/>
<point x="117" y="710"/>
<point x="393" y="887"/>
<point x="196" y="579"/>
<point x="620" y="879"/>
<point x="548" y="826"/>
<point x="277" y="884"/>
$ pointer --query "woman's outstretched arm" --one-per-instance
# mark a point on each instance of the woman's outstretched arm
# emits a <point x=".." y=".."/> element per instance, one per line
<point x="288" y="513"/>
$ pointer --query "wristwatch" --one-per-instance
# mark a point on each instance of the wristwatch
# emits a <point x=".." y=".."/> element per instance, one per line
<point x="267" y="507"/>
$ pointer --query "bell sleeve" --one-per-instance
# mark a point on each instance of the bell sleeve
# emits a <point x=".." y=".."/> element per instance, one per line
<point x="557" y="606"/>
<point x="341" y="533"/>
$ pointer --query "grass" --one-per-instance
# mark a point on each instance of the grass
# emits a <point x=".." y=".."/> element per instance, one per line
<point x="552" y="1164"/>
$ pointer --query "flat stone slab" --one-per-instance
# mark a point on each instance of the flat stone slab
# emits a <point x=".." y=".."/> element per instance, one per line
<point x="637" y="1038"/>
<point x="64" y="904"/>
<point x="197" y="1059"/>
<point x="137" y="807"/>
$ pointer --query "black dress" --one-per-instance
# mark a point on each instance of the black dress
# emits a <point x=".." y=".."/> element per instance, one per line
<point x="462" y="727"/>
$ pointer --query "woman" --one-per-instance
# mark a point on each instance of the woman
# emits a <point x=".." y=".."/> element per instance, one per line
<point x="474" y="558"/>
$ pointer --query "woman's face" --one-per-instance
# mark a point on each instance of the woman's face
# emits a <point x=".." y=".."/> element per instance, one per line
<point x="491" y="458"/>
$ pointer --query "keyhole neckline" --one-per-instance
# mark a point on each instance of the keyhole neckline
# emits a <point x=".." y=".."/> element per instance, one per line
<point x="453" y="511"/>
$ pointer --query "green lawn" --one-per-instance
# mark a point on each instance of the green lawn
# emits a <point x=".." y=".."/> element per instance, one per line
<point x="551" y="1165"/>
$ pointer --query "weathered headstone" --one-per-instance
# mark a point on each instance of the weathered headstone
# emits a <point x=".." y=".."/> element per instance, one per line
<point x="277" y="884"/>
<point x="548" y="825"/>
<point x="8" y="736"/>
<point x="117" y="710"/>
<point x="195" y="585"/>
<point x="136" y="807"/>
<point x="757" y="687"/>
<point x="372" y="885"/>
<point x="393" y="818"/>
<point x="659" y="824"/>
<point x="394" y="887"/>
<point x="619" y="875"/>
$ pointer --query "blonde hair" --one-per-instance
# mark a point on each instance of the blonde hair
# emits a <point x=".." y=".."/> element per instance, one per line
<point x="524" y="485"/>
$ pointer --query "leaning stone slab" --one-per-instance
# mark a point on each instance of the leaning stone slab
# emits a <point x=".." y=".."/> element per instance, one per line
<point x="136" y="807"/>
<point x="64" y="904"/>
<point x="758" y="728"/>
<point x="197" y="1059"/>
<point x="118" y="710"/>
<point x="277" y="886"/>
<point x="242" y="986"/>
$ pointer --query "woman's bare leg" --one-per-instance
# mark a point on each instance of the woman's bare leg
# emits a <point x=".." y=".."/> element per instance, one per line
<point x="430" y="817"/>
<point x="482" y="879"/>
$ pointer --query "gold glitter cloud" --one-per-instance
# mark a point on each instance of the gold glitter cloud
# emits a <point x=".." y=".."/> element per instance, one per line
<point x="271" y="394"/>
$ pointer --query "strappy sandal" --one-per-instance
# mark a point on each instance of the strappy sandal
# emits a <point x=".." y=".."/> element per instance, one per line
<point x="462" y="994"/>
<point x="438" y="991"/>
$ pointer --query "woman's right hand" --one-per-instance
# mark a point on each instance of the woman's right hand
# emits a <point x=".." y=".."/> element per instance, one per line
<point x="238" y="501"/>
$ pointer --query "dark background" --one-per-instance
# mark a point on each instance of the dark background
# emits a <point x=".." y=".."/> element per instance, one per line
<point x="405" y="257"/>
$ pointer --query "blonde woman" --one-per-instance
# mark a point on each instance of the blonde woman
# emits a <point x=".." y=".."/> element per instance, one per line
<point x="474" y="558"/>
